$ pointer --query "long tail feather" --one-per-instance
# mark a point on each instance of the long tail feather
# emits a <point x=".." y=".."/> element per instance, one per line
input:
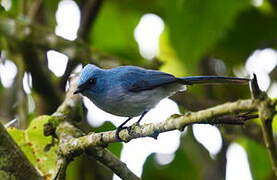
<point x="212" y="80"/>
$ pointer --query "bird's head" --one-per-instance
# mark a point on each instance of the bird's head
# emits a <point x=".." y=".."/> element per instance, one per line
<point x="89" y="78"/>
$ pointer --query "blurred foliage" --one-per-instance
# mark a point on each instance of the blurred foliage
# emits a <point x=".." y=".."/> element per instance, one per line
<point x="192" y="161"/>
<point x="118" y="32"/>
<point x="195" y="33"/>
<point x="254" y="30"/>
<point x="259" y="161"/>
<point x="195" y="26"/>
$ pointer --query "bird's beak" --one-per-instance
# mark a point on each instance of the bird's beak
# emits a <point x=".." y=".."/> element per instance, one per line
<point x="77" y="91"/>
<point x="80" y="89"/>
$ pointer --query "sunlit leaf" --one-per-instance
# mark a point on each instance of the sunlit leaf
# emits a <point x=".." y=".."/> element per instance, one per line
<point x="274" y="124"/>
<point x="33" y="142"/>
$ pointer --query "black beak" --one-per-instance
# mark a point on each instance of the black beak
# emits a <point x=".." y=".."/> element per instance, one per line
<point x="80" y="88"/>
<point x="77" y="91"/>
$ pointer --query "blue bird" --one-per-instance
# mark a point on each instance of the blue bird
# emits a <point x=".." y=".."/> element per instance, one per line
<point x="131" y="91"/>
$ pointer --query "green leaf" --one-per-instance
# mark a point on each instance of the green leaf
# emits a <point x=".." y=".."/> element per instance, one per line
<point x="274" y="124"/>
<point x="258" y="159"/>
<point x="32" y="142"/>
<point x="197" y="25"/>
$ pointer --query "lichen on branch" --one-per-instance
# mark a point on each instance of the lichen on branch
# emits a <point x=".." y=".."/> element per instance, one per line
<point x="209" y="116"/>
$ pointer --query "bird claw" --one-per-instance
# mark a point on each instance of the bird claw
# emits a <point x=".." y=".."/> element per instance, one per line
<point x="118" y="138"/>
<point x="136" y="124"/>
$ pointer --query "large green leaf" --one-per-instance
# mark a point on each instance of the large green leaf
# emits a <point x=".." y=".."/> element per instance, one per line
<point x="33" y="143"/>
<point x="196" y="25"/>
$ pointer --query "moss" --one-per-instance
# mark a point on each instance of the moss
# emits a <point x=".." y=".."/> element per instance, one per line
<point x="55" y="120"/>
<point x="267" y="109"/>
<point x="7" y="176"/>
<point x="4" y="160"/>
<point x="52" y="124"/>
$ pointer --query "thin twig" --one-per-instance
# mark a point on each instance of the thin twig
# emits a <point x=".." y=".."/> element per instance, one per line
<point x="62" y="164"/>
<point x="106" y="157"/>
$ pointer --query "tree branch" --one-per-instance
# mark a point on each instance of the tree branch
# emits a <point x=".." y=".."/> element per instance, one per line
<point x="109" y="159"/>
<point x="101" y="154"/>
<point x="13" y="163"/>
<point x="42" y="83"/>
<point x="266" y="114"/>
<point x="208" y="116"/>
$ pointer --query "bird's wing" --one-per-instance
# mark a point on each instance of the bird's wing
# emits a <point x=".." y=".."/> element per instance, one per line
<point x="141" y="80"/>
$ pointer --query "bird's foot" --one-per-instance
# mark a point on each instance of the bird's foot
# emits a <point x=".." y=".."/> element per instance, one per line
<point x="136" y="124"/>
<point x="118" y="138"/>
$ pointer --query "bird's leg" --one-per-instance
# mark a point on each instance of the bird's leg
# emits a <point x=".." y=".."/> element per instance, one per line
<point x="120" y="128"/>
<point x="142" y="115"/>
<point x="121" y="125"/>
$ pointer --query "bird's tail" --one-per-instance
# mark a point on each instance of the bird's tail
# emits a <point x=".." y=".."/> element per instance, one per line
<point x="212" y="80"/>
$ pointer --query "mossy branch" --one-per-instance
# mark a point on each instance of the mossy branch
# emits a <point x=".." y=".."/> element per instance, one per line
<point x="13" y="162"/>
<point x="266" y="110"/>
<point x="214" y="115"/>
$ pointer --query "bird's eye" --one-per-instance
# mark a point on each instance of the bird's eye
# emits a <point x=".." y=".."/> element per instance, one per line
<point x="92" y="81"/>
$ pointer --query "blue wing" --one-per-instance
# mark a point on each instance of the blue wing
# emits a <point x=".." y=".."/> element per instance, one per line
<point x="137" y="79"/>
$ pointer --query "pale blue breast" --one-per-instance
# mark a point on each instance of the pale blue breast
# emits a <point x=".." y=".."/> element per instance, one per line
<point x="120" y="102"/>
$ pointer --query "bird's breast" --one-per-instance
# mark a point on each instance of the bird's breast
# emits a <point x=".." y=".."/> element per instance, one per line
<point x="121" y="102"/>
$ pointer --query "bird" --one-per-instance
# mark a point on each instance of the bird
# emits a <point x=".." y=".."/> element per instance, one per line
<point x="131" y="91"/>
